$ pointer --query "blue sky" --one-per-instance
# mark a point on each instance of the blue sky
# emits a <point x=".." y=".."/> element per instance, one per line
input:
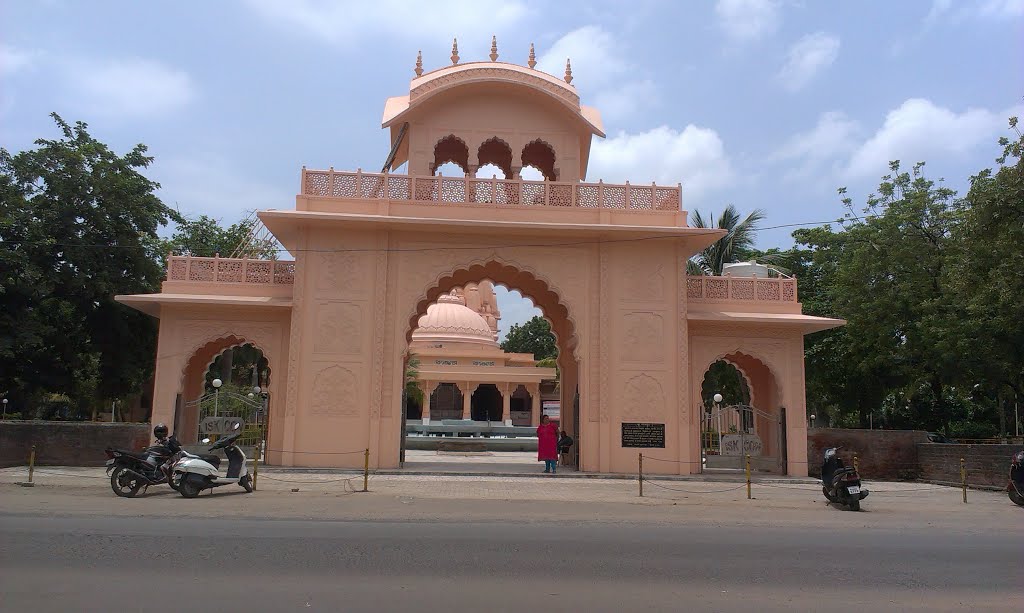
<point x="761" y="103"/>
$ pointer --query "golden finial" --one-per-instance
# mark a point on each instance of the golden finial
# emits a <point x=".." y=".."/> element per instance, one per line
<point x="533" y="57"/>
<point x="419" y="63"/>
<point x="568" y="71"/>
<point x="455" y="51"/>
<point x="494" y="48"/>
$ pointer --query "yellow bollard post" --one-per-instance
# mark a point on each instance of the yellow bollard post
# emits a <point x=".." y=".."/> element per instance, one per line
<point x="366" y="470"/>
<point x="963" y="478"/>
<point x="256" y="466"/>
<point x="856" y="463"/>
<point x="640" y="473"/>
<point x="748" y="476"/>
<point x="31" y="464"/>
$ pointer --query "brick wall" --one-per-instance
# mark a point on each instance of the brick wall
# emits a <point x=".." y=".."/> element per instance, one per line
<point x="60" y="443"/>
<point x="881" y="454"/>
<point x="987" y="465"/>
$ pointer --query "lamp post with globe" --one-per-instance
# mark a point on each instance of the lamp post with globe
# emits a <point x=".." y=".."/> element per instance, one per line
<point x="216" y="396"/>
<point x="5" y="408"/>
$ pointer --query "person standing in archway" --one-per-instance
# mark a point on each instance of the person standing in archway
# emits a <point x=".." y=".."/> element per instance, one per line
<point x="547" y="444"/>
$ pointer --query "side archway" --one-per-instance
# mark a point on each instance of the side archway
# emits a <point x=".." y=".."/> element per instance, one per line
<point x="541" y="156"/>
<point x="452" y="149"/>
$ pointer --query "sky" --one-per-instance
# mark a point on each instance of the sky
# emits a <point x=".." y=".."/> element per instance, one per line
<point x="769" y="104"/>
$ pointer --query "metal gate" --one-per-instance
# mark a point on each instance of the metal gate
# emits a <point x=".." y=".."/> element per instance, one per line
<point x="728" y="434"/>
<point x="219" y="412"/>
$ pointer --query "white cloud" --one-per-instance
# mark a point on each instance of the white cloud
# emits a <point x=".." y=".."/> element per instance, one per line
<point x="1001" y="9"/>
<point x="918" y="130"/>
<point x="210" y="184"/>
<point x="747" y="20"/>
<point x="340" y="22"/>
<point x="826" y="145"/>
<point x="694" y="157"/>
<point x="976" y="9"/>
<point x="129" y="87"/>
<point x="15" y="60"/>
<point x="599" y="70"/>
<point x="515" y="309"/>
<point x="807" y="57"/>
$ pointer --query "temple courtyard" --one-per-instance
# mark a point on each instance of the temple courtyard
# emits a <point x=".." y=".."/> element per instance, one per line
<point x="307" y="540"/>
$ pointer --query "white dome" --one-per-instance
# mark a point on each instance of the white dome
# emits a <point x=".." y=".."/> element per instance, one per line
<point x="449" y="320"/>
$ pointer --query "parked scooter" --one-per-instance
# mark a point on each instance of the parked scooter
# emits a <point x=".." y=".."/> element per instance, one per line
<point x="1015" y="486"/>
<point x="193" y="474"/>
<point x="839" y="483"/>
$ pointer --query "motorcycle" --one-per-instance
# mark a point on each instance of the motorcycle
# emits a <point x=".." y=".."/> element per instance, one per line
<point x="840" y="483"/>
<point x="195" y="474"/>
<point x="1015" y="485"/>
<point x="131" y="471"/>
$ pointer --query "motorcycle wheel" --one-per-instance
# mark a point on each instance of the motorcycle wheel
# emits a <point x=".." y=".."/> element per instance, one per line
<point x="123" y="484"/>
<point x="174" y="481"/>
<point x="829" y="497"/>
<point x="1016" y="498"/>
<point x="246" y="482"/>
<point x="853" y="504"/>
<point x="188" y="489"/>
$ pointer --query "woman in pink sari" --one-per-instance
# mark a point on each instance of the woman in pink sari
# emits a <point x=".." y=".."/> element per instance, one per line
<point x="547" y="444"/>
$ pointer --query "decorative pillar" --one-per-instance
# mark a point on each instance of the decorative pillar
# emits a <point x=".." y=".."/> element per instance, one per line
<point x="427" y="387"/>
<point x="535" y="405"/>
<point x="506" y="404"/>
<point x="467" y="399"/>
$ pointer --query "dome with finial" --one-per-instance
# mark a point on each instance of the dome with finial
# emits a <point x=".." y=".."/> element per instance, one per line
<point x="449" y="320"/>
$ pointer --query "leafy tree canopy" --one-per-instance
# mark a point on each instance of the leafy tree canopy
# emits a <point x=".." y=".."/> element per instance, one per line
<point x="206" y="237"/>
<point x="534" y="337"/>
<point x="78" y="225"/>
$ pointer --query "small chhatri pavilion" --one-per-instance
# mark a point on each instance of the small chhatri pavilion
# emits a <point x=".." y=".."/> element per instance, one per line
<point x="385" y="266"/>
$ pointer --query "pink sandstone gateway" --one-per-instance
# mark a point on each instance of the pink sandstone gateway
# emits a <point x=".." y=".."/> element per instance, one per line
<point x="374" y="253"/>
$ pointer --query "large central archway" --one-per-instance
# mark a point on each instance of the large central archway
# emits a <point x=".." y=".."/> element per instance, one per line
<point x="553" y="309"/>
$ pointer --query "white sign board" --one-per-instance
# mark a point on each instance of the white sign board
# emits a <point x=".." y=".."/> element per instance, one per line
<point x="741" y="444"/>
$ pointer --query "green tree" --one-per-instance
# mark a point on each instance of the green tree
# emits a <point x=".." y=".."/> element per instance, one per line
<point x="78" y="225"/>
<point x="534" y="337"/>
<point x="739" y="240"/>
<point x="206" y="237"/>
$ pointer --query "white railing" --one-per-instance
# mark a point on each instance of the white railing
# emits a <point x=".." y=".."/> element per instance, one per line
<point x="702" y="288"/>
<point x="230" y="270"/>
<point x="501" y="192"/>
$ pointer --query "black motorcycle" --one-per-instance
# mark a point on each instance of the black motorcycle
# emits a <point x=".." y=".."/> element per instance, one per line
<point x="840" y="483"/>
<point x="131" y="471"/>
<point x="1015" y="486"/>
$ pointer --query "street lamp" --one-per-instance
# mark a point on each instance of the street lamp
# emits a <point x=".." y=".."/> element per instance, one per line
<point x="812" y="419"/>
<point x="216" y="395"/>
<point x="5" y="408"/>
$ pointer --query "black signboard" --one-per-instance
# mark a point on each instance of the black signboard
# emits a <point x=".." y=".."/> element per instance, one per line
<point x="649" y="436"/>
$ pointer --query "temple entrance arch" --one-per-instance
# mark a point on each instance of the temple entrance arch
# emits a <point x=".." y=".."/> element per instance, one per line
<point x="749" y="418"/>
<point x="503" y="390"/>
<point x="243" y="370"/>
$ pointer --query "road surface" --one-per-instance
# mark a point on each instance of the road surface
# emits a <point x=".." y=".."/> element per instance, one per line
<point x="92" y="563"/>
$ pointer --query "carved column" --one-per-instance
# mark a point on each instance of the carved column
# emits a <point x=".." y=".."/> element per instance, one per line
<point x="535" y="405"/>
<point x="427" y="387"/>
<point x="506" y="404"/>
<point x="467" y="399"/>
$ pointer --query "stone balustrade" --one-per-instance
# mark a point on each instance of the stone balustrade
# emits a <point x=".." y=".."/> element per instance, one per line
<point x="230" y="270"/>
<point x="500" y="192"/>
<point x="701" y="288"/>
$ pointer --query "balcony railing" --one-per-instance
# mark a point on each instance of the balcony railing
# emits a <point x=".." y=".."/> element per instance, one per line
<point x="701" y="288"/>
<point x="500" y="192"/>
<point x="230" y="270"/>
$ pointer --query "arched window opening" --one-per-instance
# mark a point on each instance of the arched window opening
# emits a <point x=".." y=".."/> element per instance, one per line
<point x="449" y="169"/>
<point x="531" y="173"/>
<point x="495" y="152"/>
<point x="541" y="156"/>
<point x="488" y="171"/>
<point x="451" y="149"/>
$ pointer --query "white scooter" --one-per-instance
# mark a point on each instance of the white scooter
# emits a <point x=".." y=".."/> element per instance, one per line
<point x="195" y="474"/>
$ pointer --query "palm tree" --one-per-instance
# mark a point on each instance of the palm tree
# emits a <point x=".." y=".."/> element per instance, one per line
<point x="738" y="240"/>
<point x="412" y="374"/>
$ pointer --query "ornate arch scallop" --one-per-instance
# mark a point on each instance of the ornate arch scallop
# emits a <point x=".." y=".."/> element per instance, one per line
<point x="199" y="335"/>
<point x="536" y="153"/>
<point x="532" y="284"/>
<point x="497" y="151"/>
<point x="452" y="149"/>
<point x="766" y="352"/>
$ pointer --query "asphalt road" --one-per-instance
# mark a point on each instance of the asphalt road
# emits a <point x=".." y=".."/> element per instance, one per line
<point x="153" y="564"/>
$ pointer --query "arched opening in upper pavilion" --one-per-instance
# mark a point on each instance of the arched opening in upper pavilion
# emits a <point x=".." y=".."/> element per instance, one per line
<point x="741" y="414"/>
<point x="454" y="347"/>
<point x="450" y="150"/>
<point x="540" y="155"/>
